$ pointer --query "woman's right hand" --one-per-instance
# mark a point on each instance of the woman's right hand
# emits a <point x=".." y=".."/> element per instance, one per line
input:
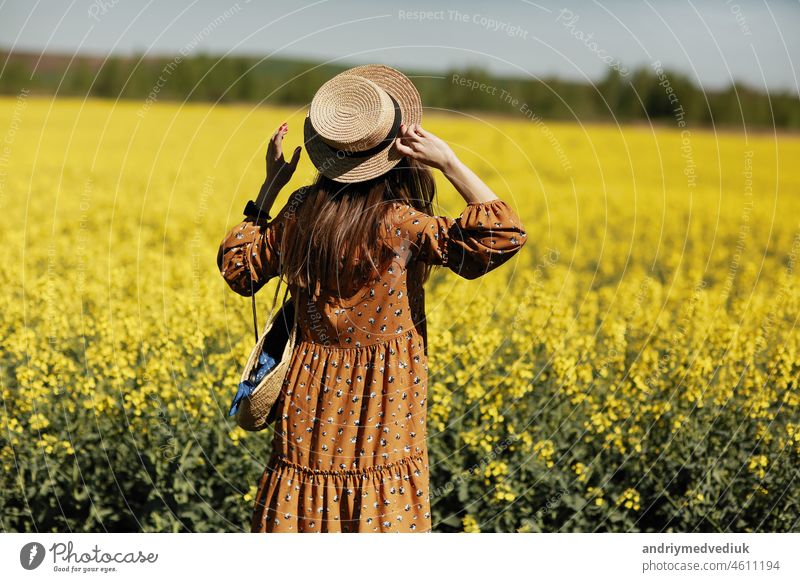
<point x="423" y="146"/>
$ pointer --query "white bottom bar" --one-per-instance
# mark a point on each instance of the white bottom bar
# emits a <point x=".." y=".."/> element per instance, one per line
<point x="405" y="557"/>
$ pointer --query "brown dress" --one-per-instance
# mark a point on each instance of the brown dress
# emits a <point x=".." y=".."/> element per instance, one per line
<point x="349" y="452"/>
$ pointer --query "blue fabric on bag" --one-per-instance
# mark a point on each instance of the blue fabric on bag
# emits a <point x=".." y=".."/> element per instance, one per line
<point x="263" y="366"/>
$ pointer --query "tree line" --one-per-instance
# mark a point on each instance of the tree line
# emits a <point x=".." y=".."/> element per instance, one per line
<point x="639" y="95"/>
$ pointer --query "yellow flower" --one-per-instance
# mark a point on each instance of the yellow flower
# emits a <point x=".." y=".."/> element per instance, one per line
<point x="758" y="465"/>
<point x="495" y="469"/>
<point x="597" y="494"/>
<point x="503" y="493"/>
<point x="470" y="524"/>
<point x="545" y="451"/>
<point x="629" y="499"/>
<point x="236" y="435"/>
<point x="38" y="421"/>
<point x="251" y="494"/>
<point x="13" y="425"/>
<point x="793" y="432"/>
<point x="47" y="443"/>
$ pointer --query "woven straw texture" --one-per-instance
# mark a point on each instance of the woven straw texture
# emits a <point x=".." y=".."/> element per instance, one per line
<point x="353" y="112"/>
<point x="254" y="411"/>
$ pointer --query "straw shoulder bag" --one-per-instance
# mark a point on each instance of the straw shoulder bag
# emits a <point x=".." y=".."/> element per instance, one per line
<point x="254" y="404"/>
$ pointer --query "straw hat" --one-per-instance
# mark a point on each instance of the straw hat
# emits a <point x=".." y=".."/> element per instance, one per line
<point x="354" y="119"/>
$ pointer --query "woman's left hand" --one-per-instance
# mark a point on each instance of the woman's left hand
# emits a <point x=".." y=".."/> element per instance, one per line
<point x="279" y="171"/>
<point x="423" y="146"/>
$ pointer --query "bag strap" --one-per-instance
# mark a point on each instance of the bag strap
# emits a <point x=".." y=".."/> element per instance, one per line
<point x="274" y="298"/>
<point x="274" y="309"/>
<point x="274" y="305"/>
<point x="255" y="317"/>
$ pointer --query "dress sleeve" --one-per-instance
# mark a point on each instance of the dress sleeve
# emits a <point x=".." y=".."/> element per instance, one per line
<point x="483" y="237"/>
<point x="249" y="255"/>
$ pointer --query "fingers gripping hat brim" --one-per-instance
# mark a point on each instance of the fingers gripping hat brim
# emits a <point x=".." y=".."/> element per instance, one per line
<point x="344" y="166"/>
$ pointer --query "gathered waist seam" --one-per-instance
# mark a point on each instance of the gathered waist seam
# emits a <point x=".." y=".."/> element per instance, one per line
<point x="395" y="339"/>
<point x="284" y="461"/>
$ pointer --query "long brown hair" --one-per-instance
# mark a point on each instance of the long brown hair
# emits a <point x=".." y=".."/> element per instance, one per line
<point x="335" y="246"/>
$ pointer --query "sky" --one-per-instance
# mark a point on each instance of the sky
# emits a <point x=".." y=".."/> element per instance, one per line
<point x="713" y="41"/>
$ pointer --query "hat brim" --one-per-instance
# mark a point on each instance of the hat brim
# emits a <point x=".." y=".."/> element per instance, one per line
<point x="332" y="164"/>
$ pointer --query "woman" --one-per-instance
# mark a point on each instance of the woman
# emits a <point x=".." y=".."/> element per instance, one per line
<point x="349" y="452"/>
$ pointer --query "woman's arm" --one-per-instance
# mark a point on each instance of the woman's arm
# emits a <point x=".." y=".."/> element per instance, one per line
<point x="247" y="257"/>
<point x="422" y="145"/>
<point x="486" y="234"/>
